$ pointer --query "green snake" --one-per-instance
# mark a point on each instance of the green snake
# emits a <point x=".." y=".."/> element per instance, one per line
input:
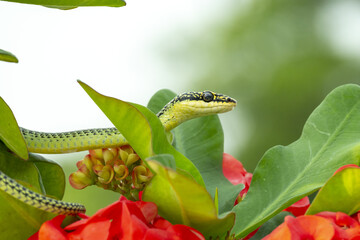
<point x="183" y="107"/>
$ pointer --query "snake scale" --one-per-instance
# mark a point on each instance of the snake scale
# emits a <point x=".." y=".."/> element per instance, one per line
<point x="183" y="107"/>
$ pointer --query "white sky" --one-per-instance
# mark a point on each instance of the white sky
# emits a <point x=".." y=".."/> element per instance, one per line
<point x="111" y="49"/>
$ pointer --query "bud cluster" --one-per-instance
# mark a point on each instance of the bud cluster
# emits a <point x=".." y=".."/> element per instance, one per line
<point x="117" y="169"/>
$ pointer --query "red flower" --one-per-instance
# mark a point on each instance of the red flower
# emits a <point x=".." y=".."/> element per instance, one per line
<point x="124" y="219"/>
<point x="345" y="226"/>
<point x="303" y="227"/>
<point x="324" y="225"/>
<point x="235" y="172"/>
<point x="299" y="208"/>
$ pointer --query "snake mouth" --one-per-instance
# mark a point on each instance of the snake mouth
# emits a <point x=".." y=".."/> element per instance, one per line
<point x="210" y="108"/>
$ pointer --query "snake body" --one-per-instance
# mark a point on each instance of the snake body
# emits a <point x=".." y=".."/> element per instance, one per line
<point x="182" y="108"/>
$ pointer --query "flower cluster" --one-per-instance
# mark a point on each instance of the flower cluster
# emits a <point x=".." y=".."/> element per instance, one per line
<point x="124" y="219"/>
<point x="117" y="169"/>
<point x="324" y="225"/>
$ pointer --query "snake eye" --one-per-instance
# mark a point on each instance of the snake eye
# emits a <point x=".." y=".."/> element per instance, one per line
<point x="208" y="96"/>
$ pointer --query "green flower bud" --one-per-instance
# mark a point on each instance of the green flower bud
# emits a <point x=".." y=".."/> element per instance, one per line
<point x="121" y="171"/>
<point x="140" y="175"/>
<point x="132" y="158"/>
<point x="105" y="173"/>
<point x="80" y="180"/>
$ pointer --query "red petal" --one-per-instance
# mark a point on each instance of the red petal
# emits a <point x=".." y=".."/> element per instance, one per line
<point x="51" y="230"/>
<point x="159" y="234"/>
<point x="185" y="232"/>
<point x="76" y="225"/>
<point x="98" y="230"/>
<point x="345" y="226"/>
<point x="310" y="227"/>
<point x="132" y="228"/>
<point x="281" y="232"/>
<point x="233" y="169"/>
<point x="35" y="236"/>
<point x="299" y="208"/>
<point x="161" y="223"/>
<point x="148" y="209"/>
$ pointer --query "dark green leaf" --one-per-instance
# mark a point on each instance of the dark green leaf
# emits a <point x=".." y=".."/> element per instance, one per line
<point x="7" y="56"/>
<point x="10" y="133"/>
<point x="270" y="225"/>
<point x="70" y="4"/>
<point x="183" y="201"/>
<point x="330" y="139"/>
<point x="201" y="140"/>
<point x="52" y="176"/>
<point x="17" y="219"/>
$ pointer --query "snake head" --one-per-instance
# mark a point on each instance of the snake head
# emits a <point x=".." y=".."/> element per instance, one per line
<point x="191" y="105"/>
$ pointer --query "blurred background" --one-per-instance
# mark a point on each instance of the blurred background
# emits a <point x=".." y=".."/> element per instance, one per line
<point x="278" y="58"/>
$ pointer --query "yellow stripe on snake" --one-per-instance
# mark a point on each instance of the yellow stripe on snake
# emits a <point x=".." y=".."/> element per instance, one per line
<point x="183" y="107"/>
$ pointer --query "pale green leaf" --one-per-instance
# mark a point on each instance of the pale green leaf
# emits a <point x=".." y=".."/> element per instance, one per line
<point x="183" y="201"/>
<point x="341" y="193"/>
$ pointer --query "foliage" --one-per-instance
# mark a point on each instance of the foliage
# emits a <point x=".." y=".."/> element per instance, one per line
<point x="10" y="132"/>
<point x="194" y="208"/>
<point x="71" y="4"/>
<point x="340" y="193"/>
<point x="284" y="175"/>
<point x="7" y="56"/>
<point x="40" y="175"/>
<point x="202" y="141"/>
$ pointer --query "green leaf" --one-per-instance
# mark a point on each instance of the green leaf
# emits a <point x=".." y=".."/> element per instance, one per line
<point x="70" y="4"/>
<point x="183" y="201"/>
<point x="52" y="176"/>
<point x="270" y="225"/>
<point x="33" y="174"/>
<point x="330" y="139"/>
<point x="202" y="141"/>
<point x="10" y="133"/>
<point x="7" y="56"/>
<point x="341" y="193"/>
<point x="142" y="129"/>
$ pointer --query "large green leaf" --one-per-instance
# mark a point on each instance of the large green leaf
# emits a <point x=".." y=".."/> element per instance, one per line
<point x="330" y="139"/>
<point x="70" y="4"/>
<point x="202" y="141"/>
<point x="7" y="56"/>
<point x="10" y="133"/>
<point x="142" y="129"/>
<point x="341" y="193"/>
<point x="17" y="219"/>
<point x="183" y="201"/>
